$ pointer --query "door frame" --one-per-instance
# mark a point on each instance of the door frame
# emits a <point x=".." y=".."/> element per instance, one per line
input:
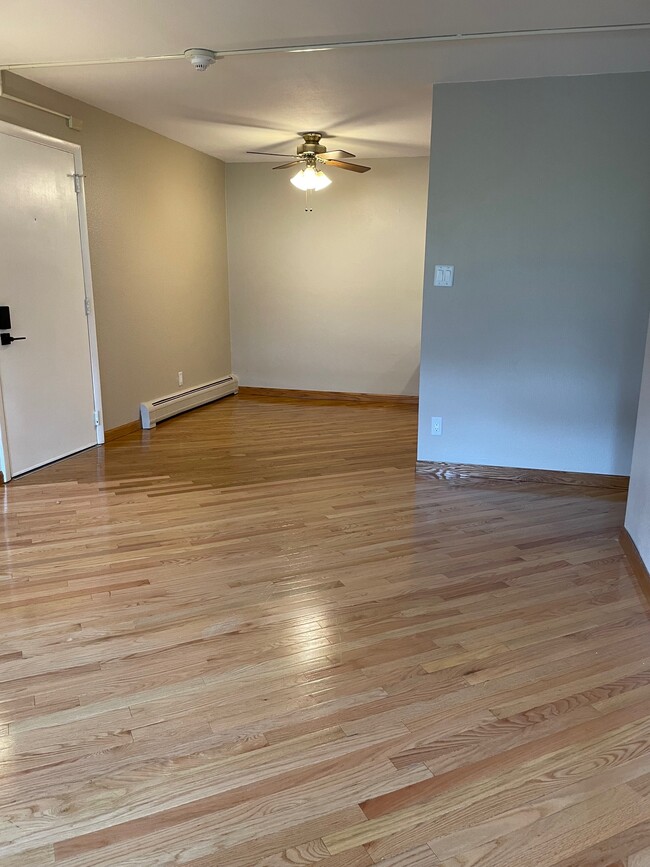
<point x="74" y="149"/>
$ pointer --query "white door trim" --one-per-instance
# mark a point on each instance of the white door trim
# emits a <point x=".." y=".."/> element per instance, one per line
<point x="74" y="149"/>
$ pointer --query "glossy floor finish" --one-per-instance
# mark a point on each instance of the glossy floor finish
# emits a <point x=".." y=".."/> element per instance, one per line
<point x="254" y="637"/>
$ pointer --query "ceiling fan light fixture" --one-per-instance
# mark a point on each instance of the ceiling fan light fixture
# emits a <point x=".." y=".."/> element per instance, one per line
<point x="310" y="179"/>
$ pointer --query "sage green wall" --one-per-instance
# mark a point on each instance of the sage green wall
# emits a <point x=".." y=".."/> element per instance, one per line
<point x="540" y="196"/>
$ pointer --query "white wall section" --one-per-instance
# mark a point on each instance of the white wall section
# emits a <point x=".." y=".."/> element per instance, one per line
<point x="329" y="300"/>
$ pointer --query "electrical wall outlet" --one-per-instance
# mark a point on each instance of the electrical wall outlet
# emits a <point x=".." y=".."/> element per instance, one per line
<point x="436" y="426"/>
<point x="180" y="377"/>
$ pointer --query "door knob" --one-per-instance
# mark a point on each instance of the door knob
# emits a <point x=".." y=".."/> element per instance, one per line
<point x="7" y="339"/>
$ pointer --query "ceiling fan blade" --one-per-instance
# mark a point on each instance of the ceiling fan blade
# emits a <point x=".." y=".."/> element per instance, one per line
<point x="288" y="165"/>
<point x="351" y="167"/>
<point x="269" y="154"/>
<point x="336" y="155"/>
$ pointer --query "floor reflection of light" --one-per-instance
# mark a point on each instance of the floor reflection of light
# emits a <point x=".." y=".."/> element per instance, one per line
<point x="311" y="644"/>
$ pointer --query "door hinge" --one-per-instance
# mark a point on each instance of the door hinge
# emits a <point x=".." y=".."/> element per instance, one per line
<point x="97" y="417"/>
<point x="77" y="181"/>
<point x="87" y="306"/>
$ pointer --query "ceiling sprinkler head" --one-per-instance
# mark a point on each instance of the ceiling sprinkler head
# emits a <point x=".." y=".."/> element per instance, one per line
<point x="200" y="58"/>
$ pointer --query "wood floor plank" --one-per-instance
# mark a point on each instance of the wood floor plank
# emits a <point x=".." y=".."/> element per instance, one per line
<point x="620" y="849"/>
<point x="422" y="856"/>
<point x="560" y="835"/>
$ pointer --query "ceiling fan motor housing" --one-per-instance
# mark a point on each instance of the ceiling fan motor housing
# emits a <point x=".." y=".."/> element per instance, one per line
<point x="311" y="144"/>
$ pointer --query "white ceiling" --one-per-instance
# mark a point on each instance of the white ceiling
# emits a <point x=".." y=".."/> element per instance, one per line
<point x="374" y="101"/>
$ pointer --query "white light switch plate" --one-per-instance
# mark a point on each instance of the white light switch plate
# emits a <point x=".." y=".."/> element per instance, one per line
<point x="443" y="275"/>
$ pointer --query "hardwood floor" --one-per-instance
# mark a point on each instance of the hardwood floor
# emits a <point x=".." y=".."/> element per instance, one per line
<point x="255" y="637"/>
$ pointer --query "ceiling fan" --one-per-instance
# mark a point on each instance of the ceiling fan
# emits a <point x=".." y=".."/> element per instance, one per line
<point x="311" y="155"/>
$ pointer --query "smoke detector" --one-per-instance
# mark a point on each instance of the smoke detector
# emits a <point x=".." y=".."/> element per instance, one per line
<point x="200" y="58"/>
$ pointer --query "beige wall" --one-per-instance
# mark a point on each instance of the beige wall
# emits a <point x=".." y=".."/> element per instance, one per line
<point x="156" y="221"/>
<point x="329" y="300"/>
<point x="637" y="519"/>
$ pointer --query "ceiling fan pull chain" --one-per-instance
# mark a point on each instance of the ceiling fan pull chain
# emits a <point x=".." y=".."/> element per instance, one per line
<point x="308" y="207"/>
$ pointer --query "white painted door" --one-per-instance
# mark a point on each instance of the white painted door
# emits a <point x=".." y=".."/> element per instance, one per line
<point x="46" y="379"/>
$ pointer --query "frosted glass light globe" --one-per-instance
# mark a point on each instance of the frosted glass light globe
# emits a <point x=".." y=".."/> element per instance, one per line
<point x="310" y="179"/>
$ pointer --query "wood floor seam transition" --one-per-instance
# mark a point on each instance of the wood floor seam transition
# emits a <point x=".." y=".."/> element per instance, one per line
<point x="254" y="637"/>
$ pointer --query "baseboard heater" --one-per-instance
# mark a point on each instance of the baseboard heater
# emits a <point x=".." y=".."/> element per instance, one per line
<point x="154" y="411"/>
